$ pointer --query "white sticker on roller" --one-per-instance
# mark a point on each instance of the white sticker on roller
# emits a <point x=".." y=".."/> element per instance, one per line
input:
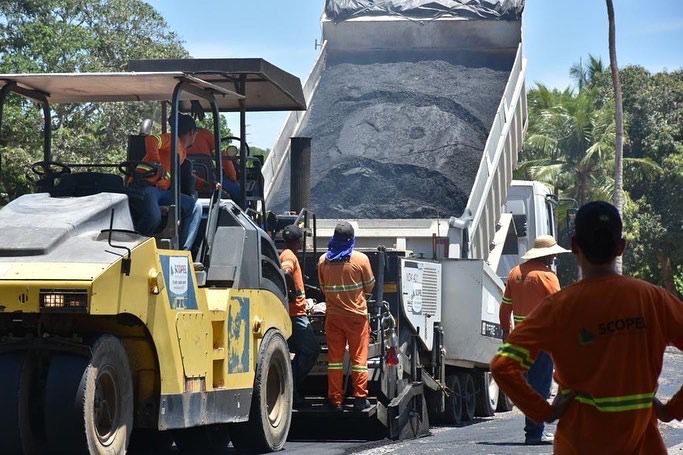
<point x="179" y="271"/>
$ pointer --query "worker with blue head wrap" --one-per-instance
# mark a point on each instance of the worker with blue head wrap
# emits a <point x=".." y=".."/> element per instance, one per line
<point x="345" y="276"/>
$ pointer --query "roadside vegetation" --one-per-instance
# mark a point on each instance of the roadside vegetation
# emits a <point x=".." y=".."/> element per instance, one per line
<point x="570" y="146"/>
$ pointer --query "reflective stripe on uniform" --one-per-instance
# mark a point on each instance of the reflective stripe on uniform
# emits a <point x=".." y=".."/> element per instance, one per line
<point x="518" y="318"/>
<point x="369" y="282"/>
<point x="359" y="368"/>
<point x="335" y="366"/>
<point x="516" y="353"/>
<point x="342" y="287"/>
<point x="615" y="404"/>
<point x="507" y="301"/>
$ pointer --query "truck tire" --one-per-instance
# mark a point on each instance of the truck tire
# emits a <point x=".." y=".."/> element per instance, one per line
<point x="11" y="365"/>
<point x="208" y="439"/>
<point x="487" y="398"/>
<point x="271" y="403"/>
<point x="469" y="397"/>
<point x="89" y="402"/>
<point x="453" y="413"/>
<point x="504" y="403"/>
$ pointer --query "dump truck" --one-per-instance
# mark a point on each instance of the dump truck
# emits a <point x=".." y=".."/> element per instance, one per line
<point x="111" y="339"/>
<point x="417" y="112"/>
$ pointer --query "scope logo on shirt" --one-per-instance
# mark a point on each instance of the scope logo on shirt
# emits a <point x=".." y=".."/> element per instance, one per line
<point x="621" y="325"/>
<point x="616" y="326"/>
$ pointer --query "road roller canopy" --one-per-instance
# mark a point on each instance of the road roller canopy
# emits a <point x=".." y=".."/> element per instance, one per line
<point x="265" y="86"/>
<point x="237" y="84"/>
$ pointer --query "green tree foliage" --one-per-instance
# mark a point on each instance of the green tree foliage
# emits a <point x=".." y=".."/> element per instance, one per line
<point x="570" y="145"/>
<point x="586" y="73"/>
<point x="68" y="36"/>
<point x="256" y="151"/>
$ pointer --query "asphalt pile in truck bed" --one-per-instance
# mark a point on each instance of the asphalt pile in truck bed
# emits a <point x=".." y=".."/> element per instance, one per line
<point x="397" y="140"/>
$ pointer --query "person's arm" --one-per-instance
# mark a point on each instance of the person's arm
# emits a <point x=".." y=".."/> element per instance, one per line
<point x="505" y="312"/>
<point x="287" y="263"/>
<point x="673" y="409"/>
<point x="515" y="357"/>
<point x="367" y="276"/>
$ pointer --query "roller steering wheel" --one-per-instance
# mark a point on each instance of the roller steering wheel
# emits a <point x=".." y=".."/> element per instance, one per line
<point x="131" y="169"/>
<point x="43" y="168"/>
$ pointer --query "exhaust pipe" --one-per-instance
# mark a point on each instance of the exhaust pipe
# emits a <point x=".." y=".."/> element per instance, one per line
<point x="300" y="174"/>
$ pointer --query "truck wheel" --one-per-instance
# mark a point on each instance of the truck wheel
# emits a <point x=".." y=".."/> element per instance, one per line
<point x="11" y="365"/>
<point x="504" y="403"/>
<point x="271" y="402"/>
<point x="487" y="399"/>
<point x="89" y="402"/>
<point x="209" y="439"/>
<point x="453" y="413"/>
<point x="469" y="397"/>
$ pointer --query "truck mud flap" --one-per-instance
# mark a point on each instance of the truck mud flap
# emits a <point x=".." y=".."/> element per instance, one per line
<point x="407" y="413"/>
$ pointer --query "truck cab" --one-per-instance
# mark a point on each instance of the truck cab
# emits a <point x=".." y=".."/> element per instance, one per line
<point x="532" y="206"/>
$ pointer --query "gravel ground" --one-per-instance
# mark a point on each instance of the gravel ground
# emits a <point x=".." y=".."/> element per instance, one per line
<point x="398" y="140"/>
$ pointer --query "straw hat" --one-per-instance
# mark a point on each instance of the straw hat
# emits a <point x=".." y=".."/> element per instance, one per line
<point x="544" y="245"/>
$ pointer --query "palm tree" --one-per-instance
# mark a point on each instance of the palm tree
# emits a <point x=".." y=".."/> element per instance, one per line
<point x="570" y="144"/>
<point x="618" y="197"/>
<point x="566" y="142"/>
<point x="585" y="75"/>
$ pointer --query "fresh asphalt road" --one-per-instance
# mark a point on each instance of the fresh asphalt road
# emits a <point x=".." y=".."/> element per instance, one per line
<point x="501" y="434"/>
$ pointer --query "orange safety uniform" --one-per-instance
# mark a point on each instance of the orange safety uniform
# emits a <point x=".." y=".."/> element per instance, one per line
<point x="345" y="284"/>
<point x="290" y="264"/>
<point x="204" y="143"/>
<point x="607" y="337"/>
<point x="528" y="284"/>
<point x="158" y="151"/>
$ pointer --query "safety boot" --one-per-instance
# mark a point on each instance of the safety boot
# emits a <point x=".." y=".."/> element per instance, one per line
<point x="360" y="404"/>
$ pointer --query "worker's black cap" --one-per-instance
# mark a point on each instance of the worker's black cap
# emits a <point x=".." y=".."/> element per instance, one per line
<point x="343" y="231"/>
<point x="598" y="231"/>
<point x="186" y="123"/>
<point x="291" y="232"/>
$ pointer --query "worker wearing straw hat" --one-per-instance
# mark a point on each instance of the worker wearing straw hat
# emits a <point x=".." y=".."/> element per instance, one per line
<point x="528" y="284"/>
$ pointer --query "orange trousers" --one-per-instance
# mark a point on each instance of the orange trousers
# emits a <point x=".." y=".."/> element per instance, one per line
<point x="354" y="330"/>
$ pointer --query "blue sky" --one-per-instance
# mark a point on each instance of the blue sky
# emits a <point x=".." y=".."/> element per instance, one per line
<point x="556" y="34"/>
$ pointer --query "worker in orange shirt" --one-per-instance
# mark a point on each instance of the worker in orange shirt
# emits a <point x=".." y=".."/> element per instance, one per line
<point x="528" y="284"/>
<point x="344" y="276"/>
<point x="157" y="189"/>
<point x="205" y="144"/>
<point x="607" y="335"/>
<point x="302" y="343"/>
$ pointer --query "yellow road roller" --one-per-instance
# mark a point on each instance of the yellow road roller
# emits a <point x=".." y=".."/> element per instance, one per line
<point x="113" y="341"/>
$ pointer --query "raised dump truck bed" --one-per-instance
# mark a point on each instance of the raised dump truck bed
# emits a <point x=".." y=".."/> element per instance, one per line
<point x="415" y="125"/>
<point x="411" y="120"/>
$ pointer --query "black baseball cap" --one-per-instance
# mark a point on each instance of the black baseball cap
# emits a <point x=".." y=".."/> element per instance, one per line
<point x="291" y="232"/>
<point x="598" y="231"/>
<point x="186" y="123"/>
<point x="343" y="231"/>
